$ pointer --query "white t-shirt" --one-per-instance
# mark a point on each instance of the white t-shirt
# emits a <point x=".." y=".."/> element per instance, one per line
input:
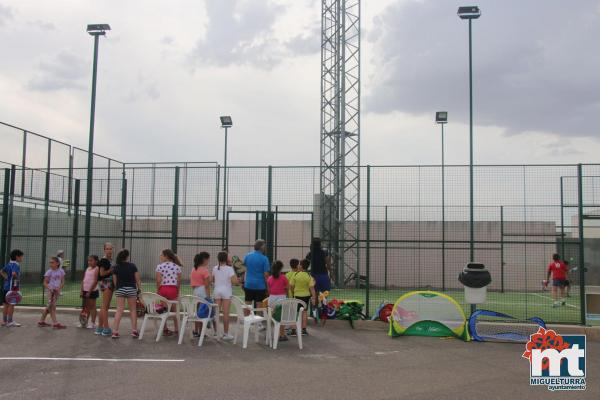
<point x="222" y="276"/>
<point x="169" y="272"/>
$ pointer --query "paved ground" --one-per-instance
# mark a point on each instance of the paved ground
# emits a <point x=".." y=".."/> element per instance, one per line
<point x="336" y="363"/>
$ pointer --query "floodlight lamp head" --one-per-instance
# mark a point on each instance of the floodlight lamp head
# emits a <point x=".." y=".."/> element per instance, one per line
<point x="441" y="117"/>
<point x="226" y="121"/>
<point x="469" y="12"/>
<point x="98" y="29"/>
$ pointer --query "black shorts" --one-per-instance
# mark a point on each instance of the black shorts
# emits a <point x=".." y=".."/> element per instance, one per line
<point x="559" y="282"/>
<point x="306" y="300"/>
<point x="254" y="295"/>
<point x="94" y="294"/>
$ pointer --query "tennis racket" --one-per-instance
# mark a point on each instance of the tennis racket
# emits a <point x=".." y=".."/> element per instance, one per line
<point x="14" y="296"/>
<point x="84" y="314"/>
<point x="140" y="308"/>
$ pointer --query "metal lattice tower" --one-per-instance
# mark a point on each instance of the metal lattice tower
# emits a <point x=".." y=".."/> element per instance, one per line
<point x="340" y="134"/>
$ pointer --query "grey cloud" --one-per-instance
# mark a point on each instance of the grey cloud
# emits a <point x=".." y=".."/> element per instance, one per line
<point x="64" y="71"/>
<point x="45" y="26"/>
<point x="167" y="40"/>
<point x="305" y="44"/>
<point x="142" y="89"/>
<point x="534" y="70"/>
<point x="239" y="32"/>
<point x="5" y="14"/>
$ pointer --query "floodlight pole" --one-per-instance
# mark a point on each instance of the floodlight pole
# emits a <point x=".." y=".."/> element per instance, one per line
<point x="90" y="164"/>
<point x="224" y="192"/>
<point x="443" y="217"/>
<point x="471" y="216"/>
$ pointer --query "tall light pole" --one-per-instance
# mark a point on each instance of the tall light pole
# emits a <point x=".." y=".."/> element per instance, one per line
<point x="226" y="123"/>
<point x="470" y="13"/>
<point x="441" y="118"/>
<point x="96" y="30"/>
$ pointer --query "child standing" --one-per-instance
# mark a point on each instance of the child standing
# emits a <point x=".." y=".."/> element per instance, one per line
<point x="294" y="262"/>
<point x="11" y="273"/>
<point x="558" y="270"/>
<point x="107" y="287"/>
<point x="224" y="277"/>
<point x="200" y="282"/>
<point x="277" y="285"/>
<point x="126" y="279"/>
<point x="54" y="281"/>
<point x="303" y="288"/>
<point x="89" y="289"/>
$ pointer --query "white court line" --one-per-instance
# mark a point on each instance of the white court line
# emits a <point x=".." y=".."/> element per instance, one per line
<point x="89" y="359"/>
<point x="550" y="298"/>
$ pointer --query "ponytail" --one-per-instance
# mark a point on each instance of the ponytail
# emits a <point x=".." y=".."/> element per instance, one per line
<point x="171" y="256"/>
<point x="276" y="269"/>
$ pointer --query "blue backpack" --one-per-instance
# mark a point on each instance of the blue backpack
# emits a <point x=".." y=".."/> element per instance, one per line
<point x="205" y="311"/>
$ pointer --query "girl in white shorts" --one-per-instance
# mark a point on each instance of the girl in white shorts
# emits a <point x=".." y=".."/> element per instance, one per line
<point x="224" y="277"/>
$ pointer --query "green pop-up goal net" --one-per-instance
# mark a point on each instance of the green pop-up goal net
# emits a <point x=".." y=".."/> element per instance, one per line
<point x="428" y="313"/>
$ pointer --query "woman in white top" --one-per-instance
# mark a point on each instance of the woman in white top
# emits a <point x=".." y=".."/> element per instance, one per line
<point x="224" y="277"/>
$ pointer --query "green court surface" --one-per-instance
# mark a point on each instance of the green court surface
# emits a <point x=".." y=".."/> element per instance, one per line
<point x="516" y="304"/>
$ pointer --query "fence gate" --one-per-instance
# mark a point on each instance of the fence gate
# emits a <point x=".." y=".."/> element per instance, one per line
<point x="287" y="233"/>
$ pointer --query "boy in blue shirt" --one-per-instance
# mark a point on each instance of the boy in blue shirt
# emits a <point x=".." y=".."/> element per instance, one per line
<point x="10" y="272"/>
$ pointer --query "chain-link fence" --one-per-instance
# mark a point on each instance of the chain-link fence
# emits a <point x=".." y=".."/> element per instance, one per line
<point x="407" y="240"/>
<point x="413" y="230"/>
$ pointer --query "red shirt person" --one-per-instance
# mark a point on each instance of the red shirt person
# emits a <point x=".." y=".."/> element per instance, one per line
<point x="558" y="270"/>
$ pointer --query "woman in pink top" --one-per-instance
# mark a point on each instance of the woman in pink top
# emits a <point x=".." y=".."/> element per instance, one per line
<point x="89" y="289"/>
<point x="278" y="285"/>
<point x="200" y="282"/>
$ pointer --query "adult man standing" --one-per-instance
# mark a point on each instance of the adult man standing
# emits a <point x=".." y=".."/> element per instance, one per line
<point x="257" y="272"/>
<point x="559" y="271"/>
<point x="320" y="265"/>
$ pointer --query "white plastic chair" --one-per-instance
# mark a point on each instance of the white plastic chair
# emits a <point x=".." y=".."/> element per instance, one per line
<point x="189" y="308"/>
<point x="290" y="316"/>
<point x="151" y="300"/>
<point x="245" y="322"/>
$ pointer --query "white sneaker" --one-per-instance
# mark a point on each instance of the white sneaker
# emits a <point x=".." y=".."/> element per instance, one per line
<point x="91" y="326"/>
<point x="227" y="337"/>
<point x="13" y="324"/>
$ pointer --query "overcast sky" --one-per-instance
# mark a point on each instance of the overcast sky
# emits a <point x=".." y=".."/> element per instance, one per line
<point x="168" y="69"/>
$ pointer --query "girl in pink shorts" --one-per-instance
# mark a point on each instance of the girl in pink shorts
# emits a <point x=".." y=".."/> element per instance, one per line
<point x="168" y="281"/>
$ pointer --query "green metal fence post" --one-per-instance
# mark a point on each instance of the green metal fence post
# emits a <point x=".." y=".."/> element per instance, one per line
<point x="217" y="193"/>
<point x="256" y="225"/>
<point x="270" y="219"/>
<point x="502" y="249"/>
<point x="45" y="226"/>
<point x="276" y="219"/>
<point x="368" y="234"/>
<point x="385" y="254"/>
<point x="23" y="164"/>
<point x="70" y="179"/>
<point x="562" y="220"/>
<point x="5" y="201"/>
<point x="75" y="237"/>
<point x="581" y="243"/>
<point x="123" y="210"/>
<point x="175" y="213"/>
<point x="11" y="202"/>
<point x="108" y="189"/>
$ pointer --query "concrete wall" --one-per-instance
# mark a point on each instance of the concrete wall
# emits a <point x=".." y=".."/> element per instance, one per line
<point x="414" y="257"/>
